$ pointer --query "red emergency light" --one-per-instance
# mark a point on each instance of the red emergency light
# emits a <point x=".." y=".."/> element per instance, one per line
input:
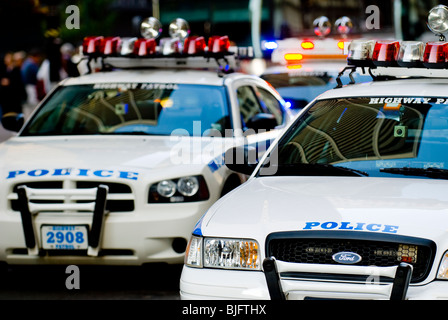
<point x="144" y="47"/>
<point x="194" y="45"/>
<point x="92" y="45"/>
<point x="385" y="53"/>
<point x="435" y="55"/>
<point x="110" y="46"/>
<point x="218" y="44"/>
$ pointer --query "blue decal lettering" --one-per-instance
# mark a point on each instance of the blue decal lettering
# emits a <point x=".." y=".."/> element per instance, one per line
<point x="128" y="175"/>
<point x="329" y="225"/>
<point x="359" y="226"/>
<point x="102" y="174"/>
<point x="310" y="225"/>
<point x="13" y="174"/>
<point x="38" y="173"/>
<point x="345" y="226"/>
<point x="373" y="227"/>
<point x="62" y="172"/>
<point x="390" y="229"/>
<point x="83" y="172"/>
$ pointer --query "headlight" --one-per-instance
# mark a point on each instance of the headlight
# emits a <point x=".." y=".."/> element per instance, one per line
<point x="188" y="186"/>
<point x="185" y="189"/>
<point x="242" y="254"/>
<point x="443" y="268"/>
<point x="166" y="188"/>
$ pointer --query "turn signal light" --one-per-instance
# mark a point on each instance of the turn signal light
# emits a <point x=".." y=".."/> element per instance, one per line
<point x="435" y="55"/>
<point x="293" y="57"/>
<point x="385" y="53"/>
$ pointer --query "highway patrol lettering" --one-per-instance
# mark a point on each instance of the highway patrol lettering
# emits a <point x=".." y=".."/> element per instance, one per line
<point x="408" y="100"/>
<point x="355" y="226"/>
<point x="74" y="172"/>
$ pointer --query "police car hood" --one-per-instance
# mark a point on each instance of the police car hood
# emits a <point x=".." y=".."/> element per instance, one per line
<point x="105" y="155"/>
<point x="402" y="206"/>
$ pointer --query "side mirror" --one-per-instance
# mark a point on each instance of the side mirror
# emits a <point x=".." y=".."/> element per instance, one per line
<point x="13" y="121"/>
<point x="241" y="159"/>
<point x="262" y="121"/>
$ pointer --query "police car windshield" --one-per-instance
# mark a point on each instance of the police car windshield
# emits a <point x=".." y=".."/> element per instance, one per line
<point x="132" y="108"/>
<point x="374" y="136"/>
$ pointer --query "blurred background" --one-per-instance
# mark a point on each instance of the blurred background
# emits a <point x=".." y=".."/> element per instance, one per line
<point x="28" y="24"/>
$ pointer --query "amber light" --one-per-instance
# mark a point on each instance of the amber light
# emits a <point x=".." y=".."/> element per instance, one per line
<point x="307" y="45"/>
<point x="290" y="57"/>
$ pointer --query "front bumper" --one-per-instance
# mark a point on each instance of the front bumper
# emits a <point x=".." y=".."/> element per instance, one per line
<point x="151" y="233"/>
<point x="198" y="284"/>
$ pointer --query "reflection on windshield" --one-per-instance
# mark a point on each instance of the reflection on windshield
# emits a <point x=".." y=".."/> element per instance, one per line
<point x="381" y="136"/>
<point x="132" y="108"/>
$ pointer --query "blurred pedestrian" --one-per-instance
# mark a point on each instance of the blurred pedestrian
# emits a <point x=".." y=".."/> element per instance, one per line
<point x="12" y="89"/>
<point x="30" y="68"/>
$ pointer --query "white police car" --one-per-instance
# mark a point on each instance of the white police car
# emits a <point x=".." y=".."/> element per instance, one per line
<point x="305" y="67"/>
<point x="115" y="167"/>
<point x="349" y="203"/>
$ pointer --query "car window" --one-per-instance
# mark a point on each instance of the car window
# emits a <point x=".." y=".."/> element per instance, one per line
<point x="248" y="103"/>
<point x="136" y="108"/>
<point x="270" y="104"/>
<point x="380" y="136"/>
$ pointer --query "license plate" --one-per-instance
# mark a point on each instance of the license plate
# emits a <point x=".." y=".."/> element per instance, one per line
<point x="64" y="237"/>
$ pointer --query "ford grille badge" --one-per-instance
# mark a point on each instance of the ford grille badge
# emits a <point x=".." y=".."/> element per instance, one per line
<point x="347" y="257"/>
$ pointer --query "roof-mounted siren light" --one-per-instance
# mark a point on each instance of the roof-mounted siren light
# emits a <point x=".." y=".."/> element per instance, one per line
<point x="110" y="46"/>
<point x="436" y="55"/>
<point x="438" y="21"/>
<point x="385" y="53"/>
<point x="411" y="54"/>
<point x="127" y="46"/>
<point x="218" y="44"/>
<point x="322" y="26"/>
<point x="179" y="31"/>
<point x="91" y="46"/>
<point x="194" y="45"/>
<point x="360" y="53"/>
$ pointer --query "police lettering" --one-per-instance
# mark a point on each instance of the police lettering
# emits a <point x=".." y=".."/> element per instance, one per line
<point x="74" y="172"/>
<point x="355" y="226"/>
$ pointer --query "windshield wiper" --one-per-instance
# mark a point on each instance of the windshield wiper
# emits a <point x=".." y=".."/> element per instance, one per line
<point x="315" y="169"/>
<point x="430" y="172"/>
